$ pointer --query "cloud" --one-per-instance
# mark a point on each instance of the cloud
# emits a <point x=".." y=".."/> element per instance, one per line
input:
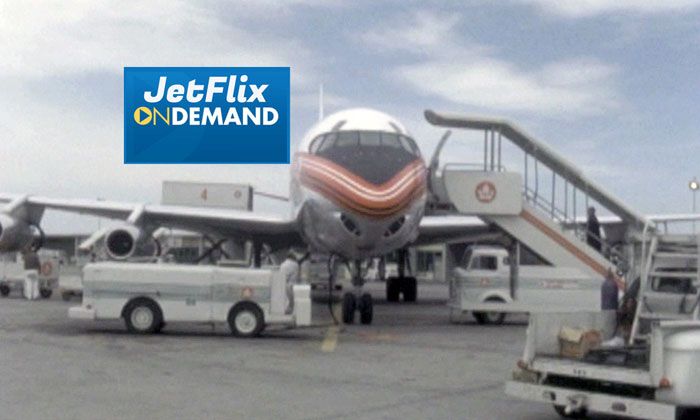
<point x="61" y="117"/>
<point x="468" y="73"/>
<point x="586" y="8"/>
<point x="59" y="38"/>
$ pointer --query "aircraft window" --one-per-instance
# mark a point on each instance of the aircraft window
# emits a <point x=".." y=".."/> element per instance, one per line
<point x="328" y="141"/>
<point x="315" y="144"/>
<point x="369" y="138"/>
<point x="347" y="138"/>
<point x="484" y="262"/>
<point x="391" y="140"/>
<point x="409" y="145"/>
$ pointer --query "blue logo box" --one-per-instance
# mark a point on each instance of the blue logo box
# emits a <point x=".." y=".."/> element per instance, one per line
<point x="206" y="114"/>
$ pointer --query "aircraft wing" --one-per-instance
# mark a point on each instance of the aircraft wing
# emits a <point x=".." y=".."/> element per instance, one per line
<point x="220" y="222"/>
<point x="440" y="229"/>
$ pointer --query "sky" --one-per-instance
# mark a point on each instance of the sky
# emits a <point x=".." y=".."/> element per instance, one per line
<point x="613" y="85"/>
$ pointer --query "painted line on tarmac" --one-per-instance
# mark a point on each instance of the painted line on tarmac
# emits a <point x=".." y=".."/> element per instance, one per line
<point x="330" y="340"/>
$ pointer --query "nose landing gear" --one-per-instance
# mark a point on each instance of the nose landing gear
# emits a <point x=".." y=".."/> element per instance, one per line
<point x="356" y="300"/>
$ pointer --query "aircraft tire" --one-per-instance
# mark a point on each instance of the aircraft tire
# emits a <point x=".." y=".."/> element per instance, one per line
<point x="349" y="306"/>
<point x="392" y="289"/>
<point x="45" y="292"/>
<point x="410" y="289"/>
<point x="4" y="290"/>
<point x="366" y="308"/>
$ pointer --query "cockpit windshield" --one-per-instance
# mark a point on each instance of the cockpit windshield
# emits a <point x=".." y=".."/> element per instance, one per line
<point x="370" y="139"/>
<point x="374" y="155"/>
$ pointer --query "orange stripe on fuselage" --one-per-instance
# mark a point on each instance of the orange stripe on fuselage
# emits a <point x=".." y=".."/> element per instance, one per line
<point x="349" y="190"/>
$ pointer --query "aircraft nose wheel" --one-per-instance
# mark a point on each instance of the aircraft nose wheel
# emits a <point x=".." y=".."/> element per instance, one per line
<point x="349" y="303"/>
<point x="364" y="306"/>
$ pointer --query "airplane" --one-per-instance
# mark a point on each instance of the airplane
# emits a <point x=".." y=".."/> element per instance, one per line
<point x="359" y="187"/>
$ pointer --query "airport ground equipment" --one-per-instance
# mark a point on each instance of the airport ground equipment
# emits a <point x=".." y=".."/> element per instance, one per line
<point x="669" y="287"/>
<point x="480" y="283"/>
<point x="658" y="380"/>
<point x="656" y="373"/>
<point x="147" y="296"/>
<point x="540" y="204"/>
<point x="13" y="276"/>
<point x="70" y="281"/>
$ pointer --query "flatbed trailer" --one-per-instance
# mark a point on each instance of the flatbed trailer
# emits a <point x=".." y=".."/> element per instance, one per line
<point x="147" y="296"/>
<point x="657" y="380"/>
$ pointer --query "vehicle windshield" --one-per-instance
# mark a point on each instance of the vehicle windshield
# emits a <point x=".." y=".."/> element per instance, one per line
<point x="374" y="155"/>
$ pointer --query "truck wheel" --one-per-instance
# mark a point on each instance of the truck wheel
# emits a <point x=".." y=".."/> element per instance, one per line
<point x="4" y="290"/>
<point x="392" y="289"/>
<point x="349" y="305"/>
<point x="45" y="292"/>
<point x="143" y="316"/>
<point x="410" y="289"/>
<point x="246" y="320"/>
<point x="561" y="410"/>
<point x="491" y="317"/>
<point x="365" y="306"/>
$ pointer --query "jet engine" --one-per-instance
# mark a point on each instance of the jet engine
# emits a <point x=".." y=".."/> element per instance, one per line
<point x="126" y="240"/>
<point x="14" y="234"/>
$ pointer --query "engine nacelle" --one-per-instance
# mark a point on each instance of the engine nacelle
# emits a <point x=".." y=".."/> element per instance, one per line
<point x="125" y="241"/>
<point x="15" y="234"/>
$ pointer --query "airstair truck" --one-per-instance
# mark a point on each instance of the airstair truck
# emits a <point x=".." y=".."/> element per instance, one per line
<point x="653" y="374"/>
<point x="147" y="296"/>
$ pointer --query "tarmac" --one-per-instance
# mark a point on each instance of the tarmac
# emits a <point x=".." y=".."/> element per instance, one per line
<point x="411" y="363"/>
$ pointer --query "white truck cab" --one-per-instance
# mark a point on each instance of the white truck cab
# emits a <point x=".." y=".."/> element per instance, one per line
<point x="481" y="283"/>
<point x="147" y="296"/>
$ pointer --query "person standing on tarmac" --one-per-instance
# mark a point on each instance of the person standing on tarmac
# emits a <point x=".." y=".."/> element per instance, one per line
<point x="290" y="271"/>
<point x="593" y="230"/>
<point x="609" y="293"/>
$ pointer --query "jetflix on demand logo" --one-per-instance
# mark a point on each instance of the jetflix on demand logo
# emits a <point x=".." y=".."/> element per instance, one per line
<point x="206" y="114"/>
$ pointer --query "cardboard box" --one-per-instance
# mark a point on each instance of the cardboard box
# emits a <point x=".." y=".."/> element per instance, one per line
<point x="575" y="343"/>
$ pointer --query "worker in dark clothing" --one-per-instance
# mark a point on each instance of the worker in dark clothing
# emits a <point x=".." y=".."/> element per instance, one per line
<point x="593" y="230"/>
<point x="609" y="293"/>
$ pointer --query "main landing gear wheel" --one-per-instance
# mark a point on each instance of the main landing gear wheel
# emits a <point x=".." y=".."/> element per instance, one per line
<point x="45" y="293"/>
<point x="4" y="290"/>
<point x="396" y="286"/>
<point x="365" y="306"/>
<point x="410" y="289"/>
<point x="393" y="289"/>
<point x="349" y="305"/>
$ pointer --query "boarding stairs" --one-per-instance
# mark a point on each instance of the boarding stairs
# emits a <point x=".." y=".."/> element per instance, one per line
<point x="669" y="286"/>
<point x="543" y="207"/>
